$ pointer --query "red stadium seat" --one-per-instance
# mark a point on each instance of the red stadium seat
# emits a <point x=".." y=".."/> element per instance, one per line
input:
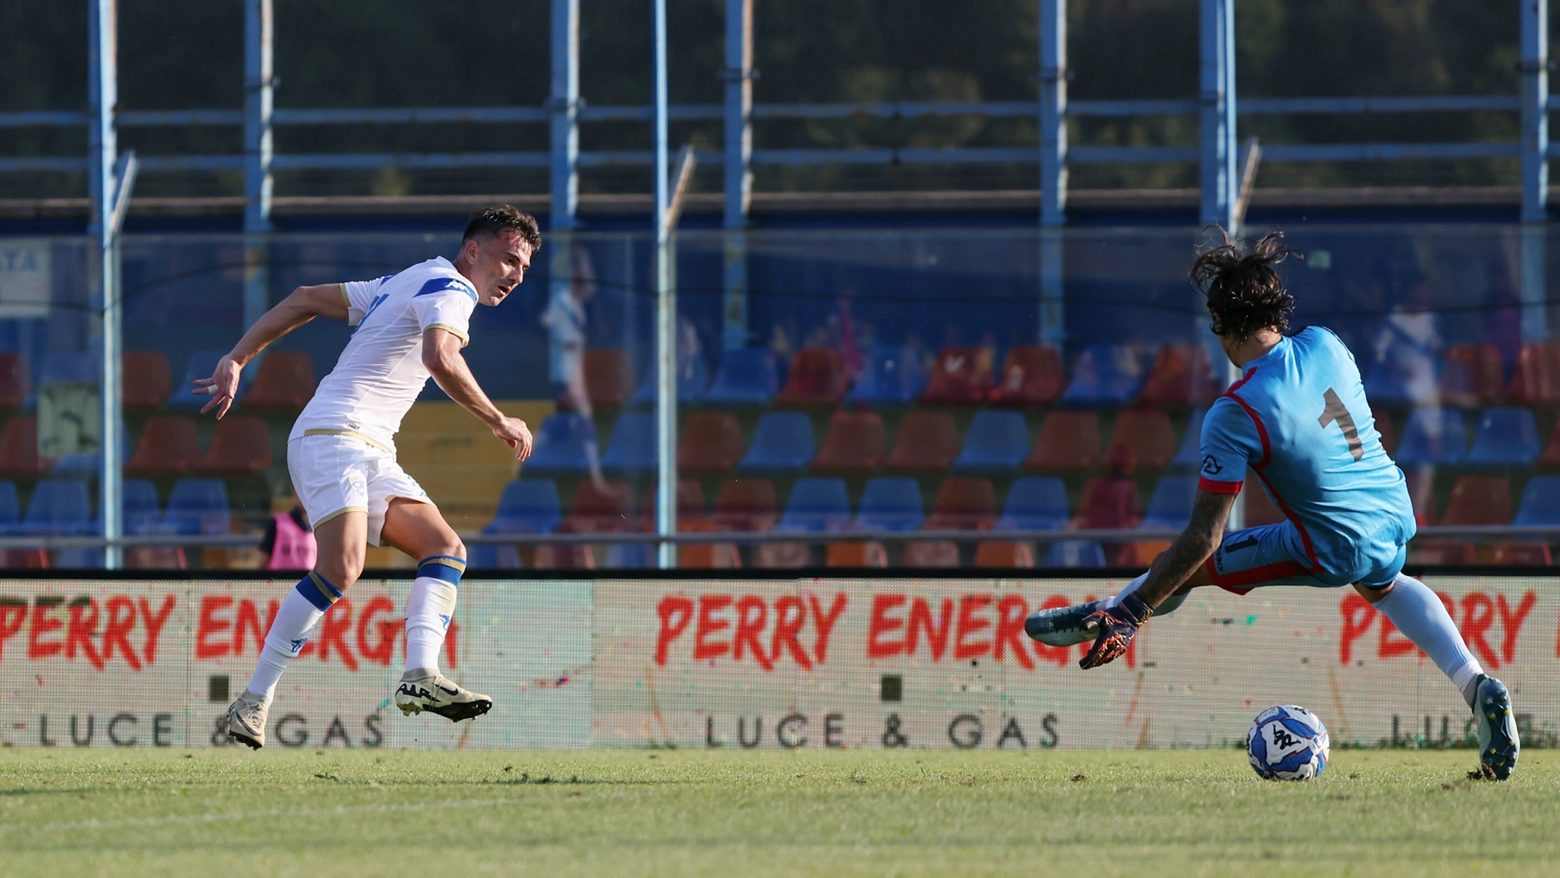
<point x="1387" y="431"/>
<point x="609" y="376"/>
<point x="930" y="553"/>
<point x="284" y="384"/>
<point x="19" y="449"/>
<point x="550" y="556"/>
<point x="1111" y="502"/>
<point x="706" y="556"/>
<point x="746" y="504"/>
<point x="690" y="506"/>
<point x="147" y="381"/>
<point x="240" y="447"/>
<point x="963" y="504"/>
<point x="1536" y="380"/>
<point x="1031" y="376"/>
<point x="604" y="508"/>
<point x="1549" y="460"/>
<point x="962" y="376"/>
<point x="1449" y="552"/>
<point x="1472" y="376"/>
<point x="1478" y="500"/>
<point x="852" y="554"/>
<point x="1179" y="377"/>
<point x="1141" y="440"/>
<point x="1004" y="555"/>
<point x="786" y="555"/>
<point x="15" y="382"/>
<point x="817" y="378"/>
<point x="927" y="443"/>
<point x="1421" y="493"/>
<point x="1260" y="508"/>
<point x="1523" y="554"/>
<point x="167" y="449"/>
<point x="855" y="444"/>
<point x="709" y="444"/>
<point x="1069" y="442"/>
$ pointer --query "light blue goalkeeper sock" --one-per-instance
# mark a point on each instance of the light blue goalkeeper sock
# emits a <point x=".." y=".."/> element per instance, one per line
<point x="1420" y="615"/>
<point x="1168" y="606"/>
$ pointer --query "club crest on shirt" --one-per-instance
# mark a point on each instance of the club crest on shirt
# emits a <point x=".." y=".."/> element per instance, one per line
<point x="1211" y="465"/>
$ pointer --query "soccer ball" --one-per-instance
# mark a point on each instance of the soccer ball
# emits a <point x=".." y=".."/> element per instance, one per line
<point x="1287" y="743"/>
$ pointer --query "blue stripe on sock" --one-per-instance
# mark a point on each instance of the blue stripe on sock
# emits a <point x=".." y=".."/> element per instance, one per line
<point x="439" y="567"/>
<point x="311" y="593"/>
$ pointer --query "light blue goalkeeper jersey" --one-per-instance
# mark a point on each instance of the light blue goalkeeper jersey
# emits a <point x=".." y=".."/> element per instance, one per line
<point x="1299" y="419"/>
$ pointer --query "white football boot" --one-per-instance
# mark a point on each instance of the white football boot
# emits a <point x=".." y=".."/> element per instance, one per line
<point x="424" y="689"/>
<point x="246" y="719"/>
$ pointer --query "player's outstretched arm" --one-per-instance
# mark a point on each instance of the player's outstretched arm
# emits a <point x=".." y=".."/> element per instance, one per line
<point x="301" y="306"/>
<point x="441" y="356"/>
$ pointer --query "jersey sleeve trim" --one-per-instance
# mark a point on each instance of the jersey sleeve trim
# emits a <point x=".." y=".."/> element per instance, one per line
<point x="1262" y="433"/>
<point x="1214" y="487"/>
<point x="464" y="338"/>
<point x="346" y="299"/>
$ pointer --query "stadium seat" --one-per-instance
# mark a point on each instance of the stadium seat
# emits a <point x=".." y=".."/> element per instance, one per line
<point x="146" y="381"/>
<point x="746" y="504"/>
<point x="1260" y="508"/>
<point x="563" y="556"/>
<point x="1031" y="376"/>
<point x="706" y="556"/>
<point x="1383" y="423"/>
<point x="200" y="364"/>
<point x="692" y="379"/>
<point x="1433" y="436"/>
<point x="1522" y="554"/>
<point x="562" y="445"/>
<point x="929" y="553"/>
<point x="690" y="505"/>
<point x="854" y="444"/>
<point x="1104" y="376"/>
<point x="1536" y="379"/>
<point x="138" y="507"/>
<point x="198" y="506"/>
<point x="1478" y="500"/>
<point x="630" y="556"/>
<point x="1540" y="506"/>
<point x="604" y="508"/>
<point x="996" y="443"/>
<point x="1075" y="553"/>
<point x="1395" y="382"/>
<point x="19" y="448"/>
<point x="963" y="504"/>
<point x="284" y="383"/>
<point x="1069" y="442"/>
<point x="1004" y="555"/>
<point x="1179" y="376"/>
<point x="632" y="448"/>
<point x="710" y="444"/>
<point x="746" y="377"/>
<point x="609" y="376"/>
<point x="1506" y="437"/>
<point x="167" y="449"/>
<point x="527" y="507"/>
<point x="962" y="376"/>
<point x="1110" y="502"/>
<point x="782" y="556"/>
<point x="15" y="382"/>
<point x="1442" y="552"/>
<point x="1421" y="495"/>
<point x="927" y="443"/>
<point x="1171" y="503"/>
<point x="782" y="444"/>
<point x="1189" y="455"/>
<point x="240" y="447"/>
<point x="10" y="508"/>
<point x="1034" y="503"/>
<point x="856" y="555"/>
<point x="1141" y="439"/>
<point x="892" y="504"/>
<point x="891" y="375"/>
<point x="817" y="378"/>
<point x="1471" y="376"/>
<point x="816" y="505"/>
<point x="76" y="367"/>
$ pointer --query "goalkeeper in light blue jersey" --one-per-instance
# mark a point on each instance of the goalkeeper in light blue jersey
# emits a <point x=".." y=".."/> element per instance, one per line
<point x="1299" y="419"/>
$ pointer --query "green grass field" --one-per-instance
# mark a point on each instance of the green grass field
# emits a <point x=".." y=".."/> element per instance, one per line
<point x="74" y="812"/>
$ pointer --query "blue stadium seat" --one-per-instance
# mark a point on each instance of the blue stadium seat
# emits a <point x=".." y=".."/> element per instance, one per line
<point x="1433" y="436"/>
<point x="1190" y="454"/>
<point x="198" y="506"/>
<point x="75" y="367"/>
<point x="891" y="375"/>
<point x="87" y="465"/>
<point x="1540" y="505"/>
<point x="625" y="556"/>
<point x="1035" y="503"/>
<point x="562" y="445"/>
<point x="139" y="505"/>
<point x="782" y="443"/>
<point x="1506" y="437"/>
<point x="691" y="383"/>
<point x="59" y="507"/>
<point x="890" y="504"/>
<point x="527" y="507"/>
<point x="745" y="377"/>
<point x="816" y="505"/>
<point x="10" y="509"/>
<point x="1074" y="553"/>
<point x="1388" y="381"/>
<point x="200" y="365"/>
<point x="631" y="450"/>
<point x="996" y="443"/>
<point x="1171" y="505"/>
<point x="1104" y="375"/>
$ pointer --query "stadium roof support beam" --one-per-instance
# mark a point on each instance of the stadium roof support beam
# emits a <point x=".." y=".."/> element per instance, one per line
<point x="665" y="317"/>
<point x="1053" y="168"/>
<point x="1535" y="167"/>
<point x="564" y="105"/>
<point x="1217" y="99"/>
<point x="738" y="169"/>
<point x="259" y="95"/>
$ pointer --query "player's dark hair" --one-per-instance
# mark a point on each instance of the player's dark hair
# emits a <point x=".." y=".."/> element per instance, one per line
<point x="501" y="218"/>
<point x="1243" y="289"/>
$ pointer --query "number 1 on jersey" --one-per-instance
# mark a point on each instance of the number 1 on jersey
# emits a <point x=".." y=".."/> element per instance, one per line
<point x="1335" y="411"/>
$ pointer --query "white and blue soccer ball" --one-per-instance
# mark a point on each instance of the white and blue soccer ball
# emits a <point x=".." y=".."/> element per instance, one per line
<point x="1287" y="743"/>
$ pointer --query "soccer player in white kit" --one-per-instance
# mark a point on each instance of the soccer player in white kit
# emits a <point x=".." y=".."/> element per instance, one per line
<point x="407" y="328"/>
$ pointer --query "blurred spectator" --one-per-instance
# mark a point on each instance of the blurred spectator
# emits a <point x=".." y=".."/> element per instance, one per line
<point x="565" y="321"/>
<point x="288" y="543"/>
<point x="1503" y="317"/>
<point x="1408" y="345"/>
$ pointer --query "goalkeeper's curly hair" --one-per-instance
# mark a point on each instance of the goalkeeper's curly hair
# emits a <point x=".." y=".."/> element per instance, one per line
<point x="1242" y="287"/>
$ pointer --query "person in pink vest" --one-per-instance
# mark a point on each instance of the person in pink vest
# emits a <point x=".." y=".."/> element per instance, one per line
<point x="289" y="543"/>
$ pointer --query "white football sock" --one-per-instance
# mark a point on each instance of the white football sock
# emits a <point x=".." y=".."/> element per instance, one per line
<point x="1420" y="615"/>
<point x="300" y="611"/>
<point x="430" y="608"/>
<point x="1166" y="607"/>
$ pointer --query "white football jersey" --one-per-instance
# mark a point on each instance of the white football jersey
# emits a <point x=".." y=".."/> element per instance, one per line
<point x="380" y="373"/>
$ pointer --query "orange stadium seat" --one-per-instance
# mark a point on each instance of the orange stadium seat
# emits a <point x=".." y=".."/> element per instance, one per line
<point x="1522" y="554"/>
<point x="963" y="504"/>
<point x="1260" y="508"/>
<point x="284" y="384"/>
<point x="19" y="449"/>
<point x="15" y="382"/>
<point x="746" y="504"/>
<point x="962" y="376"/>
<point x="1141" y="440"/>
<point x="240" y="447"/>
<point x="709" y="444"/>
<point x="855" y="444"/>
<point x="1004" y="555"/>
<point x="609" y="376"/>
<point x="817" y="378"/>
<point x="785" y="555"/>
<point x="1536" y="380"/>
<point x="927" y="443"/>
<point x="147" y="381"/>
<point x="930" y="553"/>
<point x="1069" y="442"/>
<point x="1472" y="376"/>
<point x="1478" y="500"/>
<point x="855" y="554"/>
<point x="167" y="449"/>
<point x="1179" y="377"/>
<point x="706" y="556"/>
<point x="604" y="508"/>
<point x="1031" y="376"/>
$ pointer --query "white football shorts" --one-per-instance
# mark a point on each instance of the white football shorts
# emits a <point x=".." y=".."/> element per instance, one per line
<point x="334" y="473"/>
